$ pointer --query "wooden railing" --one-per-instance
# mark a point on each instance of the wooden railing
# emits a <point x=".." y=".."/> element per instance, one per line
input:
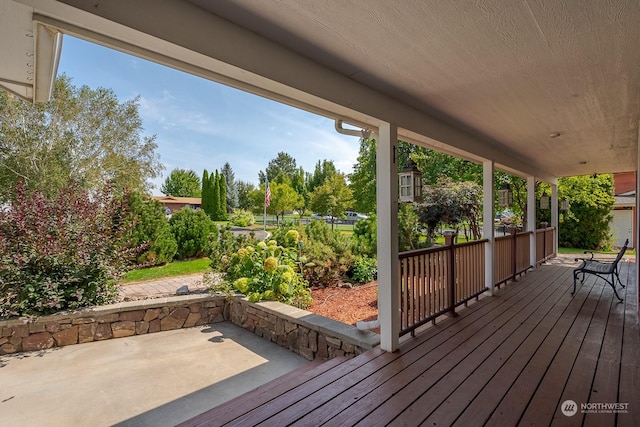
<point x="511" y="257"/>
<point x="436" y="280"/>
<point x="545" y="238"/>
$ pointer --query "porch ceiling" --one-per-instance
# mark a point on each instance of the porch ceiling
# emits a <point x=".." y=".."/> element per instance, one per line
<point x="492" y="79"/>
<point x="513" y="71"/>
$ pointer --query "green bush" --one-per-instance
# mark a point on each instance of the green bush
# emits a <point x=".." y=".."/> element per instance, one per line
<point x="242" y="218"/>
<point x="327" y="253"/>
<point x="268" y="272"/>
<point x="151" y="228"/>
<point x="194" y="232"/>
<point x="222" y="248"/>
<point x="62" y="253"/>
<point x="364" y="269"/>
<point x="365" y="237"/>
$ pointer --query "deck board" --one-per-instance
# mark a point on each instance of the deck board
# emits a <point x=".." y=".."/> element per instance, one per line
<point x="629" y="388"/>
<point x="506" y="360"/>
<point x="493" y="377"/>
<point x="472" y="357"/>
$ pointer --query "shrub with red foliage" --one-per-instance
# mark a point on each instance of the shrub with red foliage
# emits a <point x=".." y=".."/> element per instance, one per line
<point x="63" y="252"/>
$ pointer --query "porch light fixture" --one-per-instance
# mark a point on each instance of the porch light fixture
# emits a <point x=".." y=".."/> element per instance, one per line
<point x="505" y="195"/>
<point x="410" y="183"/>
<point x="564" y="205"/>
<point x="544" y="201"/>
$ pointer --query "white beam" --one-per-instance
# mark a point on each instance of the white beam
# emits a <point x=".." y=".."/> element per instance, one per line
<point x="241" y="58"/>
<point x="387" y="212"/>
<point x="531" y="218"/>
<point x="554" y="215"/>
<point x="488" y="229"/>
<point x="47" y="56"/>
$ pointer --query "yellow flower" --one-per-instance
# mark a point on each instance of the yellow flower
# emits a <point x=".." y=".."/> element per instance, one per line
<point x="283" y="288"/>
<point x="269" y="295"/>
<point x="292" y="237"/>
<point x="270" y="264"/>
<point x="242" y="252"/>
<point x="242" y="284"/>
<point x="250" y="249"/>
<point x="288" y="276"/>
<point x="273" y="243"/>
<point x="262" y="245"/>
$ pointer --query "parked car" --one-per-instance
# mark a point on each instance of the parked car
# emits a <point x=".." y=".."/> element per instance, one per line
<point x="321" y="216"/>
<point x="354" y="216"/>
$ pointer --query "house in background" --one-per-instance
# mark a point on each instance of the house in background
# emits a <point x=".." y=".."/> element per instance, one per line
<point x="623" y="223"/>
<point x="174" y="204"/>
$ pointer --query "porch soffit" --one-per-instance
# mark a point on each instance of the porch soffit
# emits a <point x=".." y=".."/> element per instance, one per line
<point x="492" y="80"/>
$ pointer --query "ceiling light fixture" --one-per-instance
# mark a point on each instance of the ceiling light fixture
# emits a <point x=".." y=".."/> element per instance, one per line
<point x="583" y="162"/>
<point x="555" y="134"/>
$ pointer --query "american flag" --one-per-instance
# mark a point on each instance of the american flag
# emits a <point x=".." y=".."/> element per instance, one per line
<point x="267" y="195"/>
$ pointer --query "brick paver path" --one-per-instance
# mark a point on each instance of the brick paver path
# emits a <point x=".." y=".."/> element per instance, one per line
<point x="161" y="287"/>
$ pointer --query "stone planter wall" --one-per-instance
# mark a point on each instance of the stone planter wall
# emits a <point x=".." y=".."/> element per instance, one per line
<point x="302" y="332"/>
<point x="112" y="321"/>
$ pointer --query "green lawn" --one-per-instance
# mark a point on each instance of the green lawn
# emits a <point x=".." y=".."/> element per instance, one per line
<point x="581" y="251"/>
<point x="176" y="268"/>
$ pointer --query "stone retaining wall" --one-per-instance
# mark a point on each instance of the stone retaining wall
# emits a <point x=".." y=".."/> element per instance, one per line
<point x="112" y="321"/>
<point x="302" y="332"/>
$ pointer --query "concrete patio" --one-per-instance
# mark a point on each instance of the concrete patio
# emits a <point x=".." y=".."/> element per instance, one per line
<point x="149" y="380"/>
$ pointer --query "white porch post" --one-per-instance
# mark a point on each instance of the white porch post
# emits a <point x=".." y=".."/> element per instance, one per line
<point x="488" y="229"/>
<point x="554" y="214"/>
<point x="531" y="218"/>
<point x="387" y="211"/>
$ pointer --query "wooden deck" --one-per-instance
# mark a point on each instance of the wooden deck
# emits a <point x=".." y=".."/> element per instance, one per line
<point x="511" y="359"/>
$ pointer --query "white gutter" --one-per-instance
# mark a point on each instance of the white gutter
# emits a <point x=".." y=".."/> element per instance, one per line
<point x="362" y="133"/>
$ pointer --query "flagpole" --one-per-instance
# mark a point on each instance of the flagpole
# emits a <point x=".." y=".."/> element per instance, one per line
<point x="266" y="203"/>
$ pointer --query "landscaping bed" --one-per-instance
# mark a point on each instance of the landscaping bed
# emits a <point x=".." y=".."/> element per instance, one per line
<point x="346" y="304"/>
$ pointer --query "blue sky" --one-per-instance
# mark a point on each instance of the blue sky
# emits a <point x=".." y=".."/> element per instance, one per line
<point x="200" y="124"/>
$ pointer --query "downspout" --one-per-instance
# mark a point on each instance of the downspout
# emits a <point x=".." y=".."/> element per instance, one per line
<point x="362" y="133"/>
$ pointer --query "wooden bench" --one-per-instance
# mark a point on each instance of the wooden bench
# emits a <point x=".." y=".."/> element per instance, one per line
<point x="602" y="269"/>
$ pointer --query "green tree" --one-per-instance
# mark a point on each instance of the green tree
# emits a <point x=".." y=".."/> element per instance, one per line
<point x="332" y="198"/>
<point x="283" y="164"/>
<point x="323" y="171"/>
<point x="232" y="191"/>
<point x="206" y="193"/>
<point x="451" y="203"/>
<point x="586" y="224"/>
<point x="244" y="191"/>
<point x="283" y="198"/>
<point x="222" y="197"/>
<point x="182" y="183"/>
<point x="151" y="230"/>
<point x="363" y="179"/>
<point x="82" y="134"/>
<point x="214" y="191"/>
<point x="434" y="165"/>
<point x="194" y="232"/>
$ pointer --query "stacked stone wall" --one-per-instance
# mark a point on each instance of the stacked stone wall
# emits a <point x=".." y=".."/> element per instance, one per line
<point x="300" y="331"/>
<point x="114" y="321"/>
<point x="309" y="335"/>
